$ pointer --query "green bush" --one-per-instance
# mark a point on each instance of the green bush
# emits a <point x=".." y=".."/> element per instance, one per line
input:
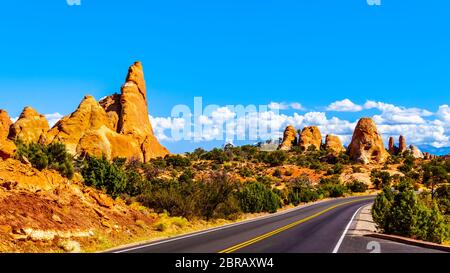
<point x="274" y="159"/>
<point x="245" y="172"/>
<point x="178" y="161"/>
<point x="333" y="190"/>
<point x="301" y="190"/>
<point x="53" y="156"/>
<point x="217" y="155"/>
<point x="443" y="198"/>
<point x="357" y="186"/>
<point x="380" y="179"/>
<point x="402" y="213"/>
<point x="105" y="175"/>
<point x="255" y="197"/>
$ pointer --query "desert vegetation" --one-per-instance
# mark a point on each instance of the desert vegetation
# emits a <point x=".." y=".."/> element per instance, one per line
<point x="417" y="204"/>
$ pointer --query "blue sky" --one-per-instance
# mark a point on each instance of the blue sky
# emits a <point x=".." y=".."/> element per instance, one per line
<point x="232" y="52"/>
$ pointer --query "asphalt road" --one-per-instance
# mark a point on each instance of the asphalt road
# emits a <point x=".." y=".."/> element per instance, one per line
<point x="317" y="228"/>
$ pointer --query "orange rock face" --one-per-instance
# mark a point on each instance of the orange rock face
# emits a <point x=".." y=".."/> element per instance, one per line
<point x="310" y="136"/>
<point x="367" y="144"/>
<point x="131" y="111"/>
<point x="30" y="127"/>
<point x="7" y="147"/>
<point x="289" y="138"/>
<point x="334" y="145"/>
<point x="117" y="126"/>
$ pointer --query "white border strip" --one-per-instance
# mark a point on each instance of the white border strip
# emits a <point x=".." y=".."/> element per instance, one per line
<point x="341" y="240"/>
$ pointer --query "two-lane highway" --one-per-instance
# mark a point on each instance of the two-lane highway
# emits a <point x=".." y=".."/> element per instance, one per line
<point x="316" y="228"/>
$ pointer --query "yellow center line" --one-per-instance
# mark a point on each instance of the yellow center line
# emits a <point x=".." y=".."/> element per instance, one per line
<point x="277" y="231"/>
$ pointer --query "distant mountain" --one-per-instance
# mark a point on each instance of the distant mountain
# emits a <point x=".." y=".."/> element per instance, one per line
<point x="433" y="150"/>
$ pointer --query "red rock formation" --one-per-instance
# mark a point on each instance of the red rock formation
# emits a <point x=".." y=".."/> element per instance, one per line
<point x="367" y="144"/>
<point x="289" y="139"/>
<point x="129" y="112"/>
<point x="7" y="147"/>
<point x="30" y="127"/>
<point x="334" y="145"/>
<point x="393" y="150"/>
<point x="310" y="136"/>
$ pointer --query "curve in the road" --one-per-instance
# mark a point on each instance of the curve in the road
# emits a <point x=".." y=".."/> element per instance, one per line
<point x="314" y="228"/>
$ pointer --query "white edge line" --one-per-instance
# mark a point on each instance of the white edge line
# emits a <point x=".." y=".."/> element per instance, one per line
<point x="341" y="240"/>
<point x="181" y="237"/>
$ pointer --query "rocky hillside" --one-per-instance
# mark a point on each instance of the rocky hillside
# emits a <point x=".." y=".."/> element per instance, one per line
<point x="117" y="126"/>
<point x="40" y="211"/>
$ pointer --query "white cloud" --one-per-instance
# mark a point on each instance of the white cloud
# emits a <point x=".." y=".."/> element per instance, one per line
<point x="222" y="114"/>
<point x="285" y="106"/>
<point x="391" y="114"/>
<point x="278" y="106"/>
<point x="345" y="105"/>
<point x="444" y="114"/>
<point x="297" y="106"/>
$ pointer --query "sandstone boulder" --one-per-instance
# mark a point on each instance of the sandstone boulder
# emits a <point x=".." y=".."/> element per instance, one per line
<point x="289" y="138"/>
<point x="334" y="145"/>
<point x="367" y="144"/>
<point x="30" y="127"/>
<point x="310" y="136"/>
<point x="415" y="152"/>
<point x="7" y="147"/>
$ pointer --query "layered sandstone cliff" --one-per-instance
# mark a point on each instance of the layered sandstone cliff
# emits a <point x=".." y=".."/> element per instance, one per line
<point x="117" y="126"/>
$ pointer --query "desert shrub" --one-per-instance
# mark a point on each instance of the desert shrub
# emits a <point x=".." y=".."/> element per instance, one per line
<point x="255" y="197"/>
<point x="357" y="186"/>
<point x="380" y="179"/>
<point x="274" y="159"/>
<point x="434" y="174"/>
<point x="408" y="165"/>
<point x="277" y="173"/>
<point x="402" y="213"/>
<point x="301" y="190"/>
<point x="335" y="179"/>
<point x="53" y="156"/>
<point x="333" y="190"/>
<point x="217" y="155"/>
<point x="105" y="175"/>
<point x="266" y="180"/>
<point x="336" y="169"/>
<point x="443" y="198"/>
<point x="178" y="161"/>
<point x="187" y="176"/>
<point x="245" y="172"/>
<point x="206" y="199"/>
